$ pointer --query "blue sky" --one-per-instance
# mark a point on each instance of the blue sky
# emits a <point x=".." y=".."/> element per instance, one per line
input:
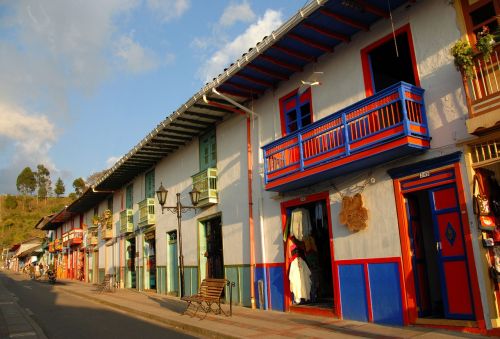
<point x="85" y="81"/>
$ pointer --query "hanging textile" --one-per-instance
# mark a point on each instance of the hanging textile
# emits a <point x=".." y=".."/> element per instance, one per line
<point x="318" y="211"/>
<point x="300" y="223"/>
<point x="300" y="280"/>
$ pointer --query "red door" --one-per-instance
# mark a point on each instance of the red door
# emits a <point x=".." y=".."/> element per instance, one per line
<point x="448" y="233"/>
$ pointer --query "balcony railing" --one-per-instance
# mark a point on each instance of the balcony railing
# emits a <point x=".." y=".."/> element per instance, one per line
<point x="126" y="221"/>
<point x="75" y="236"/>
<point x="92" y="238"/>
<point x="106" y="233"/>
<point x="147" y="212"/>
<point x="65" y="238"/>
<point x="383" y="127"/>
<point x="483" y="91"/>
<point x="206" y="183"/>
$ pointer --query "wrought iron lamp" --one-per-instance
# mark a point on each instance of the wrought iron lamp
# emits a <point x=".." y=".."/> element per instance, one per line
<point x="178" y="209"/>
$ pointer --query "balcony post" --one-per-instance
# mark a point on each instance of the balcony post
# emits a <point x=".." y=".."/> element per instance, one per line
<point x="301" y="151"/>
<point x="346" y="136"/>
<point x="406" y="121"/>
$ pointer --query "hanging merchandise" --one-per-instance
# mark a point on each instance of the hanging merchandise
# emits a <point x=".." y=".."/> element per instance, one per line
<point x="353" y="214"/>
<point x="485" y="190"/>
<point x="300" y="280"/>
<point x="318" y="211"/>
<point x="300" y="223"/>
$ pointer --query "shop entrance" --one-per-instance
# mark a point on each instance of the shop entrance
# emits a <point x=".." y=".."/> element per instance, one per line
<point x="130" y="278"/>
<point x="149" y="261"/>
<point x="173" y="267"/>
<point x="438" y="254"/>
<point x="308" y="254"/>
<point x="214" y="253"/>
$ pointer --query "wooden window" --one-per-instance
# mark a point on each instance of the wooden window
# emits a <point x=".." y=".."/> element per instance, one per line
<point x="383" y="66"/>
<point x="295" y="111"/>
<point x="150" y="184"/>
<point x="129" y="197"/>
<point x="208" y="150"/>
<point x="481" y="13"/>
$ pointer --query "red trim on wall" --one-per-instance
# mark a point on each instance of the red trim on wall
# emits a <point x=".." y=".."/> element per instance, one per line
<point x="365" y="60"/>
<point x="273" y="264"/>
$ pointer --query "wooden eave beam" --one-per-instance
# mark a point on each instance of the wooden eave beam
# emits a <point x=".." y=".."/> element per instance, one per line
<point x="295" y="54"/>
<point x="310" y="42"/>
<point x="172" y="136"/>
<point x="328" y="33"/>
<point x="244" y="88"/>
<point x="254" y="80"/>
<point x="204" y="115"/>
<point x="268" y="72"/>
<point x="373" y="9"/>
<point x="176" y="131"/>
<point x="194" y="121"/>
<point x="165" y="142"/>
<point x="286" y="65"/>
<point x="345" y="20"/>
<point x="211" y="108"/>
<point x="186" y="126"/>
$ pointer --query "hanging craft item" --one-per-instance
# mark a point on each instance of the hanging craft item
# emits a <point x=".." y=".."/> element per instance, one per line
<point x="353" y="214"/>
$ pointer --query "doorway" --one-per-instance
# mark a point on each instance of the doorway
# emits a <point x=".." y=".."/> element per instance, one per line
<point x="439" y="260"/>
<point x="308" y="236"/>
<point x="211" y="250"/>
<point x="130" y="273"/>
<point x="149" y="261"/>
<point x="173" y="266"/>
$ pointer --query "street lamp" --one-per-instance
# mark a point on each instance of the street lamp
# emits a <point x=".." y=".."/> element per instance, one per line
<point x="178" y="209"/>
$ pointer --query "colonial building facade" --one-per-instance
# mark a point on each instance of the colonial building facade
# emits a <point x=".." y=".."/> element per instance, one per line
<point x="335" y="162"/>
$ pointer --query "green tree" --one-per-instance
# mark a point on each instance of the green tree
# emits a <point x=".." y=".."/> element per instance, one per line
<point x="11" y="202"/>
<point x="26" y="182"/>
<point x="59" y="188"/>
<point x="79" y="186"/>
<point x="43" y="182"/>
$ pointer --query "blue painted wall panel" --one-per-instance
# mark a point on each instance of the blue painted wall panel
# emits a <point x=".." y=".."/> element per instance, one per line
<point x="352" y="292"/>
<point x="277" y="288"/>
<point x="386" y="293"/>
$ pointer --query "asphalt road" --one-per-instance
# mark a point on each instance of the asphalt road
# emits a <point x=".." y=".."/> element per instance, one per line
<point x="62" y="315"/>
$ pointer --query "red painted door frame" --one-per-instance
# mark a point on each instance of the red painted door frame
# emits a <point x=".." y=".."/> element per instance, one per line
<point x="325" y="196"/>
<point x="411" y="304"/>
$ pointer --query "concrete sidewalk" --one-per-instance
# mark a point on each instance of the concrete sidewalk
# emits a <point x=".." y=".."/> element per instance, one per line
<point x="245" y="322"/>
<point x="15" y="322"/>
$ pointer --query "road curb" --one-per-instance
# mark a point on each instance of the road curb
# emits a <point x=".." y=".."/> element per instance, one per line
<point x="172" y="323"/>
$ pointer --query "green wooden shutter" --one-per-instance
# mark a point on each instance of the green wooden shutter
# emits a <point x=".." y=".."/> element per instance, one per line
<point x="129" y="197"/>
<point x="150" y="184"/>
<point x="208" y="150"/>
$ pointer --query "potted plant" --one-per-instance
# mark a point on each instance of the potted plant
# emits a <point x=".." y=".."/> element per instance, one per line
<point x="485" y="42"/>
<point x="463" y="54"/>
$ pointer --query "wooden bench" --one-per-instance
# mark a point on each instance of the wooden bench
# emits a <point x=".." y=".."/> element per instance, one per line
<point x="208" y="298"/>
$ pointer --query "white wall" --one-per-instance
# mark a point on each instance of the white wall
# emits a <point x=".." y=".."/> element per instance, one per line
<point x="434" y="30"/>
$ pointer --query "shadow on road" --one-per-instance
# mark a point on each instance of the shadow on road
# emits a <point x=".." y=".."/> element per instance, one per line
<point x="63" y="315"/>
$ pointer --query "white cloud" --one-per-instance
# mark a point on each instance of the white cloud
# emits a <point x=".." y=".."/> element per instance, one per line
<point x="234" y="49"/>
<point x="168" y="9"/>
<point x="111" y="161"/>
<point x="237" y="12"/>
<point x="32" y="135"/>
<point x="137" y="59"/>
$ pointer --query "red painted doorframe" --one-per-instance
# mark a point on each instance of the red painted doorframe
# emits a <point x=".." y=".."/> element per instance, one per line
<point x="325" y="196"/>
<point x="411" y="305"/>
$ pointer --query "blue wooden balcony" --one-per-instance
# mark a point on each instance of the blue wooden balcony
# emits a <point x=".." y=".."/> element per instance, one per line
<point x="386" y="126"/>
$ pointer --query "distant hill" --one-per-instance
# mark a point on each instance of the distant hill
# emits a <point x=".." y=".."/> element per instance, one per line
<point x="18" y="216"/>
